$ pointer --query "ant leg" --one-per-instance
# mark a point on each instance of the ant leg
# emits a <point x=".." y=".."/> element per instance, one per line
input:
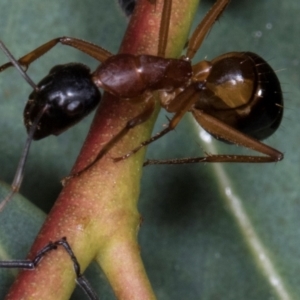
<point x="186" y="99"/>
<point x="32" y="264"/>
<point x="164" y="27"/>
<point x="139" y="119"/>
<point x="80" y="279"/>
<point x="92" y="50"/>
<point x="226" y="132"/>
<point x="28" y="264"/>
<point x="204" y="26"/>
<point x="211" y="158"/>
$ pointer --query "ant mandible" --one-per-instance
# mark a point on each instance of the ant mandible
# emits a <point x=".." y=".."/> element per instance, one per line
<point x="236" y="97"/>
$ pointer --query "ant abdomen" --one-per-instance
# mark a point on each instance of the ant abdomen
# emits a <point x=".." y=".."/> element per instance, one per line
<point x="69" y="94"/>
<point x="243" y="91"/>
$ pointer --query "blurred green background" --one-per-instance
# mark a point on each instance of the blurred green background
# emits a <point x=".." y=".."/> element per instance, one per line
<point x="191" y="242"/>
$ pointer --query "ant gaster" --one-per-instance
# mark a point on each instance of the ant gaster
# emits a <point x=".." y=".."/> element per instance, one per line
<point x="236" y="97"/>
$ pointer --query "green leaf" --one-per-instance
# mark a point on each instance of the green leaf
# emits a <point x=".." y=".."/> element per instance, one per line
<point x="192" y="242"/>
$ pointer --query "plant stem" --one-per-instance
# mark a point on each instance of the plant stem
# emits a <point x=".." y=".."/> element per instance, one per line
<point x="97" y="211"/>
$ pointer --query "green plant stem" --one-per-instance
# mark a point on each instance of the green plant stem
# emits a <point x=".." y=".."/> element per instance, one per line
<point x="97" y="211"/>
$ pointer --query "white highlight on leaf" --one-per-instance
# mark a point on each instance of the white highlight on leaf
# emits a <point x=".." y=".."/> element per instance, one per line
<point x="205" y="136"/>
<point x="257" y="34"/>
<point x="255" y="245"/>
<point x="269" y="26"/>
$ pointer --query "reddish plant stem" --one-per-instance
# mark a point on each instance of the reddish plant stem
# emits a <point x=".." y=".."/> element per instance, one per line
<point x="97" y="211"/>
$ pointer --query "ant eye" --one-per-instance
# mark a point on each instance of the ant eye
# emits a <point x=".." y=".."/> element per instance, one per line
<point x="70" y="94"/>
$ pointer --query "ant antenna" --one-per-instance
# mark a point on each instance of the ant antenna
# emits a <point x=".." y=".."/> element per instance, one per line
<point x="17" y="65"/>
<point x="16" y="184"/>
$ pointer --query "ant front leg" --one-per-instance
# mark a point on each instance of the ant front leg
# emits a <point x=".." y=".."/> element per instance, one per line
<point x="32" y="264"/>
<point x="92" y="50"/>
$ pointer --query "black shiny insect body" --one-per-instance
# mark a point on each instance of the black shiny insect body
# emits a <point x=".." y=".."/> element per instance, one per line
<point x="69" y="94"/>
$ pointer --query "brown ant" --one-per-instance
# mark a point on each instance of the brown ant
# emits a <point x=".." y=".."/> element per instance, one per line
<point x="236" y="97"/>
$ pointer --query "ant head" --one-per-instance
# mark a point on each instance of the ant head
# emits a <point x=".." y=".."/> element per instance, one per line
<point x="69" y="95"/>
